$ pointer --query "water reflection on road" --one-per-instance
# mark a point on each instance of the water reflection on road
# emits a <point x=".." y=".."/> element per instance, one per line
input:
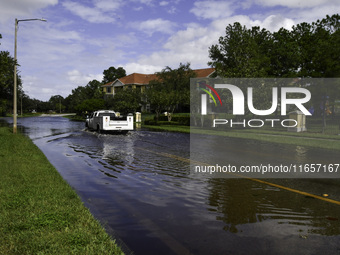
<point x="135" y="185"/>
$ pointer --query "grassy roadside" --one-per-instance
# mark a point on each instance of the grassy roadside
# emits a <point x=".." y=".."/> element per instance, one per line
<point x="39" y="212"/>
<point x="303" y="139"/>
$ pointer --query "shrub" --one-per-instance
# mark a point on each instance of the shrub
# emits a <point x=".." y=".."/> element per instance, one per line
<point x="181" y="120"/>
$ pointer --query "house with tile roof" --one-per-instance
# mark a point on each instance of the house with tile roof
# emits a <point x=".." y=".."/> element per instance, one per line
<point x="140" y="81"/>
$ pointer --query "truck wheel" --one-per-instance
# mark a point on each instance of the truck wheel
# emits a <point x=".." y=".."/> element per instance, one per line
<point x="98" y="129"/>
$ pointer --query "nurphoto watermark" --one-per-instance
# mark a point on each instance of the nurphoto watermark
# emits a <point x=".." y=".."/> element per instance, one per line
<point x="262" y="105"/>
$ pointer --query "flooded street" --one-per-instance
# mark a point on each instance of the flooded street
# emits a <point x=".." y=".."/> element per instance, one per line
<point x="140" y="187"/>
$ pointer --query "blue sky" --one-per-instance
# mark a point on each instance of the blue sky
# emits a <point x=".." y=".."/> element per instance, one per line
<point x="83" y="38"/>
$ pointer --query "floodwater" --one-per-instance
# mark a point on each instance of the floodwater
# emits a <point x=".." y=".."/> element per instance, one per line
<point x="140" y="187"/>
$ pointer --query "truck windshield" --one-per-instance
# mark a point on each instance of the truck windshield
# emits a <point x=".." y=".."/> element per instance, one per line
<point x="111" y="114"/>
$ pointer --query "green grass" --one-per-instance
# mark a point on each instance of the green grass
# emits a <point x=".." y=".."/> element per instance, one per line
<point x="169" y="128"/>
<point x="39" y="212"/>
<point x="302" y="138"/>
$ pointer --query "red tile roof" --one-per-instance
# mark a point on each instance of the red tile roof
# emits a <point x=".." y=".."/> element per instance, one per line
<point x="138" y="78"/>
<point x="201" y="73"/>
<point x="144" y="79"/>
<point x="108" y="84"/>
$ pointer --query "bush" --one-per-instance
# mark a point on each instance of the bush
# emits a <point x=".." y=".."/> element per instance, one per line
<point x="160" y="123"/>
<point x="161" y="118"/>
<point x="90" y="105"/>
<point x="150" y="122"/>
<point x="171" y="123"/>
<point x="181" y="120"/>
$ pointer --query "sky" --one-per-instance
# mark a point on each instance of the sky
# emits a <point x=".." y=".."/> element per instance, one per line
<point x="83" y="38"/>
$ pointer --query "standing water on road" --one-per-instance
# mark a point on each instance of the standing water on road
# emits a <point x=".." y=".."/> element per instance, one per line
<point x="140" y="187"/>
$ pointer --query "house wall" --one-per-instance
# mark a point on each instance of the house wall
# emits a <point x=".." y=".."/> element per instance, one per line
<point x="108" y="90"/>
<point x="114" y="89"/>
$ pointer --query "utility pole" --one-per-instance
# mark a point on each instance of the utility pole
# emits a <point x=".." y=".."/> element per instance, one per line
<point x="15" y="73"/>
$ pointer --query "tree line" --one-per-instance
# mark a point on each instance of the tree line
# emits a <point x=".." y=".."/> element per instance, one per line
<point x="169" y="90"/>
<point x="307" y="50"/>
<point x="165" y="93"/>
<point x="82" y="98"/>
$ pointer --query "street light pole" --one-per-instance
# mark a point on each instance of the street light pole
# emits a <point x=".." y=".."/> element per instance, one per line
<point x="15" y="80"/>
<point x="15" y="73"/>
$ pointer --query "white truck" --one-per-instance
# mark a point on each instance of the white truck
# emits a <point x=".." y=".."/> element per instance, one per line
<point x="107" y="120"/>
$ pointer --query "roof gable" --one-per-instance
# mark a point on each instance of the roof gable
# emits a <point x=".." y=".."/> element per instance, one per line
<point x="201" y="73"/>
<point x="108" y="84"/>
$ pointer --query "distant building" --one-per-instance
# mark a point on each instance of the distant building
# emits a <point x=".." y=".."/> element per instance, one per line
<point x="140" y="81"/>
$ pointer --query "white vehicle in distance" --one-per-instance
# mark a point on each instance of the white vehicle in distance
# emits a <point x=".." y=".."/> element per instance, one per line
<point x="109" y="121"/>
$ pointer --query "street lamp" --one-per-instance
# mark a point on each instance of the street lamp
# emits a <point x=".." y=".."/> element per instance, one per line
<point x="15" y="73"/>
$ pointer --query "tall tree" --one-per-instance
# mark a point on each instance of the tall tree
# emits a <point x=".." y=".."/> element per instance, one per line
<point x="92" y="90"/>
<point x="315" y="49"/>
<point x="112" y="74"/>
<point x="57" y="103"/>
<point x="125" y="101"/>
<point x="309" y="50"/>
<point x="171" y="89"/>
<point x="7" y="81"/>
<point x="77" y="96"/>
<point x="89" y="105"/>
<point x="284" y="54"/>
<point x="241" y="52"/>
<point x="155" y="96"/>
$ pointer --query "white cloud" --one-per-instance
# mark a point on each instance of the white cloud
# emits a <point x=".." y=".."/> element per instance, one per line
<point x="145" y="2"/>
<point x="141" y="68"/>
<point x="40" y="43"/>
<point x="35" y="86"/>
<point x="163" y="3"/>
<point x="275" y="22"/>
<point x="296" y="3"/>
<point x="192" y="44"/>
<point x="172" y="10"/>
<point x="137" y="9"/>
<point x="312" y="14"/>
<point x="15" y="9"/>
<point x="213" y="9"/>
<point x="271" y="23"/>
<point x="93" y="15"/>
<point x="169" y="9"/>
<point x="81" y="79"/>
<point x="155" y="25"/>
<point x="46" y="55"/>
<point x="109" y="5"/>
<point x="189" y="45"/>
<point x="192" y="34"/>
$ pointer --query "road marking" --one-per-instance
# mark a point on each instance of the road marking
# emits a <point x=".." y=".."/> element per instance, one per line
<point x="296" y="191"/>
<point x="186" y="160"/>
